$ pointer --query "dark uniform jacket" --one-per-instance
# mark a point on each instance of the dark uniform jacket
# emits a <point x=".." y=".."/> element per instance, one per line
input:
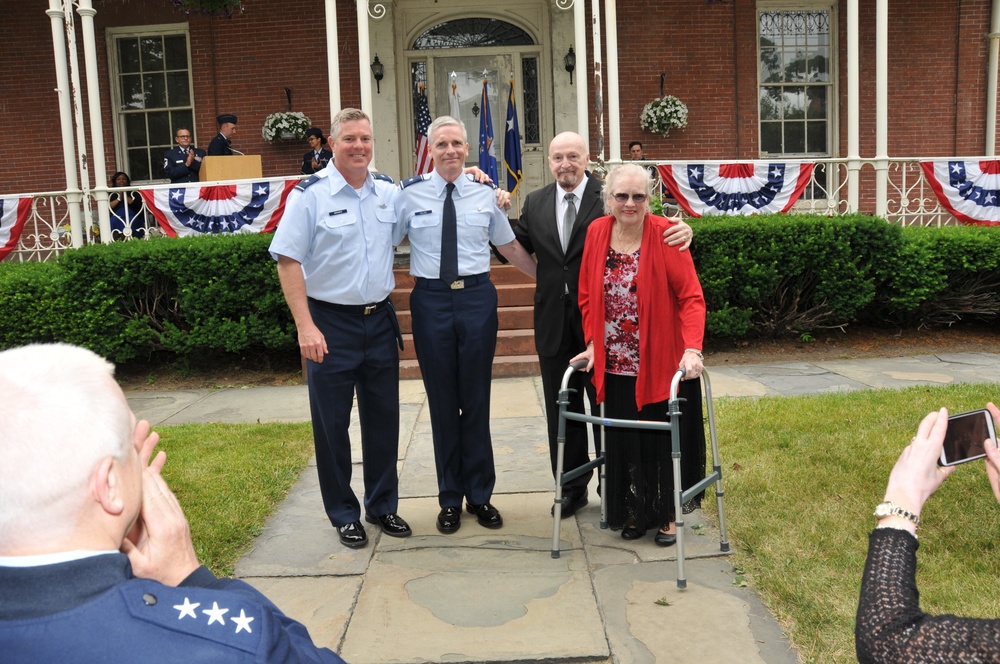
<point x="219" y="147"/>
<point x="175" y="165"/>
<point x="94" y="610"/>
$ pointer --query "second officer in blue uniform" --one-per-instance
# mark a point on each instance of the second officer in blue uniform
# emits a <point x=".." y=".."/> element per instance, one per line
<point x="454" y="316"/>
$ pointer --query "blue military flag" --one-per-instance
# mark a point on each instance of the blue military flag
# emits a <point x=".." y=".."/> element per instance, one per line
<point x="487" y="153"/>
<point x="512" y="145"/>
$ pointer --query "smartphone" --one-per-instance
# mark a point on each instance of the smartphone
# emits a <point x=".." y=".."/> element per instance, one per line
<point x="965" y="437"/>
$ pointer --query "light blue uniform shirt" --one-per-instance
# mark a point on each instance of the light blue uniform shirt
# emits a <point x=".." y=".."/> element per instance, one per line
<point x="419" y="205"/>
<point x="343" y="240"/>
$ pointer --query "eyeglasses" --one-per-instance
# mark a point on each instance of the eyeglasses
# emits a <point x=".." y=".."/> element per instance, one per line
<point x="183" y="136"/>
<point x="636" y="198"/>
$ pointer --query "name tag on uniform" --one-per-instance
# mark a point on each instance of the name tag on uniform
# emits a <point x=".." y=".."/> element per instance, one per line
<point x="417" y="214"/>
<point x="336" y="212"/>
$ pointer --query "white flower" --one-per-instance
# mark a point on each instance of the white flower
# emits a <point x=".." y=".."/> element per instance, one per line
<point x="285" y="122"/>
<point x="663" y="114"/>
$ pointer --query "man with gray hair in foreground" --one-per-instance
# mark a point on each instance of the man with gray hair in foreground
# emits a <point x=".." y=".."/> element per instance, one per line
<point x="96" y="558"/>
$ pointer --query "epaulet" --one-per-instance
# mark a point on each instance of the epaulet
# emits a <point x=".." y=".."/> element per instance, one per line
<point x="308" y="182"/>
<point x="416" y="178"/>
<point x="383" y="177"/>
<point x="491" y="185"/>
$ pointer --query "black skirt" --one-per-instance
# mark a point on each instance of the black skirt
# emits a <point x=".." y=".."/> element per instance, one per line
<point x="639" y="472"/>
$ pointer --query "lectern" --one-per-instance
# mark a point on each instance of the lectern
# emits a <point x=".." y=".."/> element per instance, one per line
<point x="235" y="167"/>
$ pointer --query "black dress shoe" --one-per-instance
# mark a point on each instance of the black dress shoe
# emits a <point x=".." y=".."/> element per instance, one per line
<point x="487" y="515"/>
<point x="352" y="535"/>
<point x="632" y="533"/>
<point x="449" y="519"/>
<point x="665" y="539"/>
<point x="571" y="504"/>
<point x="392" y="524"/>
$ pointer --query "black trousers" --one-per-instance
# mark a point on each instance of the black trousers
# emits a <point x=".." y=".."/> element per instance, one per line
<point x="364" y="357"/>
<point x="553" y="367"/>
<point x="455" y="336"/>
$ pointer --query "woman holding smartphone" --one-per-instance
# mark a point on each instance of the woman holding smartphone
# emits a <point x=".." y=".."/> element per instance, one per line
<point x="890" y="626"/>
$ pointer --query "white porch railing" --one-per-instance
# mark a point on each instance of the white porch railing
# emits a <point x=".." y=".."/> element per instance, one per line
<point x="910" y="202"/>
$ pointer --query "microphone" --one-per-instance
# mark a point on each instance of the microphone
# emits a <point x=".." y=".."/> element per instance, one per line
<point x="235" y="151"/>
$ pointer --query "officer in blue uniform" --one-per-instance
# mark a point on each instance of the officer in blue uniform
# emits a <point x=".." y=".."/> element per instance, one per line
<point x="182" y="163"/>
<point x="96" y="559"/>
<point x="455" y="317"/>
<point x="221" y="144"/>
<point x="335" y="253"/>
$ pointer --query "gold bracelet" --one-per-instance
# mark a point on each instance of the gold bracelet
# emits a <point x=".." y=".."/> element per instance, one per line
<point x="696" y="352"/>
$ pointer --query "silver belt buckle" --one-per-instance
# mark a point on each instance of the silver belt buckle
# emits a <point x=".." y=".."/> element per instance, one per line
<point x="458" y="284"/>
<point x="370" y="308"/>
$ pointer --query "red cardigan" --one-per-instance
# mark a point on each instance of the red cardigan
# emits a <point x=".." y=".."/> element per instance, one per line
<point x="671" y="306"/>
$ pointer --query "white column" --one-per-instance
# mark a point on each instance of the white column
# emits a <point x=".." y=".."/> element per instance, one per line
<point x="58" y="18"/>
<point x="77" y="100"/>
<point x="991" y="81"/>
<point x="332" y="57"/>
<point x="597" y="152"/>
<point x="614" y="104"/>
<point x="87" y="12"/>
<point x="881" y="107"/>
<point x="853" y="108"/>
<point x="364" y="62"/>
<point x="582" y="88"/>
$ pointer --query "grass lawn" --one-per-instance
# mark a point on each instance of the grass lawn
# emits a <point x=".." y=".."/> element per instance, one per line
<point x="802" y="477"/>
<point x="229" y="478"/>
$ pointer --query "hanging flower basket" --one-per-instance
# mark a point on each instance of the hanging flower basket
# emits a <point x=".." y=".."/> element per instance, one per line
<point x="663" y="114"/>
<point x="285" y="126"/>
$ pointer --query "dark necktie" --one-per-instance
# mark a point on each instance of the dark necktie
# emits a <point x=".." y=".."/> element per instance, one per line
<point x="569" y="218"/>
<point x="449" y="238"/>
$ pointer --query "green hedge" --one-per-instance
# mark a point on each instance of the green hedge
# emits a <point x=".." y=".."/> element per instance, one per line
<point x="762" y="276"/>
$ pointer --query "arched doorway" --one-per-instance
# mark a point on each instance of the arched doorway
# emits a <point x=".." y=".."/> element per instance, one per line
<point x="455" y="56"/>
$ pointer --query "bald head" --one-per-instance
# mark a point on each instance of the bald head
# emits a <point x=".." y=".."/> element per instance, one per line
<point x="568" y="158"/>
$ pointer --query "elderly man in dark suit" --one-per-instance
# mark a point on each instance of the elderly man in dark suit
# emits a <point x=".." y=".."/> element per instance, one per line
<point x="553" y="226"/>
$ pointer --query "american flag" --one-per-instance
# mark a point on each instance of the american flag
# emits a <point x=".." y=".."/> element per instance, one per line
<point x="424" y="163"/>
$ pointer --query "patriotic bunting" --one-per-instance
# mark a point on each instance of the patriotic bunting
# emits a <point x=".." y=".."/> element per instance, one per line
<point x="970" y="190"/>
<point x="14" y="212"/>
<point x="714" y="188"/>
<point x="188" y="210"/>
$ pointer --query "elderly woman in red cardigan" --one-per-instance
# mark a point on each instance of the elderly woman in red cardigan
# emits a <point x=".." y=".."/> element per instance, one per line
<point x="643" y="318"/>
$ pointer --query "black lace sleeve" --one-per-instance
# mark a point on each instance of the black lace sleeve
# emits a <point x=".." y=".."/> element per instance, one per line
<point x="890" y="626"/>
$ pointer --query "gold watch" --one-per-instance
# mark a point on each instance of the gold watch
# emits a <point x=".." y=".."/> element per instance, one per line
<point x="886" y="509"/>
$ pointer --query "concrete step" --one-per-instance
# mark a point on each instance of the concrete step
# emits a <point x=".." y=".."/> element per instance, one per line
<point x="503" y="367"/>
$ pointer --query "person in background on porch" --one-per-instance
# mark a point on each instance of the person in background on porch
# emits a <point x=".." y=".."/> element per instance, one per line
<point x="221" y="144"/>
<point x="635" y="149"/>
<point x="318" y="156"/>
<point x="554" y="229"/>
<point x="126" y="210"/>
<point x="643" y="318"/>
<point x="182" y="163"/>
<point x="451" y="221"/>
<point x="96" y="558"/>
<point x="334" y="251"/>
<point x="890" y="627"/>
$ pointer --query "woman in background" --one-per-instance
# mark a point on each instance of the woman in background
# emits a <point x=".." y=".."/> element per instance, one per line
<point x="319" y="154"/>
<point x="126" y="209"/>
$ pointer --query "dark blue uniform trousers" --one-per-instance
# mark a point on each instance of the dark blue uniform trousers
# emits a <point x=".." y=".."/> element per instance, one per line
<point x="363" y="355"/>
<point x="455" y="336"/>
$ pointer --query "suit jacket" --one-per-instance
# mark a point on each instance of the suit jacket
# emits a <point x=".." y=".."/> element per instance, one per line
<point x="558" y="271"/>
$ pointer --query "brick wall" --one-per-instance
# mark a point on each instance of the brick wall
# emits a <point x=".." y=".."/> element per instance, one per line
<point x="707" y="51"/>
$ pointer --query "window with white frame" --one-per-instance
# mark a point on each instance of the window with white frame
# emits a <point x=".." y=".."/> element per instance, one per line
<point x="796" y="97"/>
<point x="152" y="94"/>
